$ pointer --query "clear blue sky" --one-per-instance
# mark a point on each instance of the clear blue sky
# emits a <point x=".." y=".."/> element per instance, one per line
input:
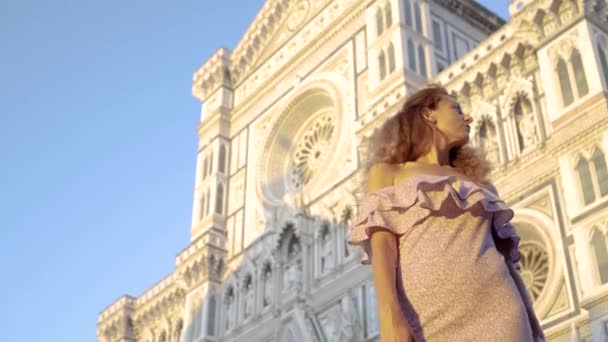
<point x="98" y="148"/>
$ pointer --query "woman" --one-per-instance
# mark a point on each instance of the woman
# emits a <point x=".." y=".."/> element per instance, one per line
<point x="436" y="234"/>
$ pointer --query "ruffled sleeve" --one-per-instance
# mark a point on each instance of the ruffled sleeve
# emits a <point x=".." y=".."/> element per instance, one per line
<point x="505" y="236"/>
<point x="390" y="210"/>
<point x="399" y="208"/>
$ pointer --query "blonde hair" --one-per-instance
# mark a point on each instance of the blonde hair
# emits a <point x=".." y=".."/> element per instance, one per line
<point x="406" y="136"/>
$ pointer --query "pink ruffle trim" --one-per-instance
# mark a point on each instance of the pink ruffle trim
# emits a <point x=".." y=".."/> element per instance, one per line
<point x="401" y="206"/>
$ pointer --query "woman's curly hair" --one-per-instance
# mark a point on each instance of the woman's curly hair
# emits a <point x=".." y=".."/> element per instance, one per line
<point x="406" y="136"/>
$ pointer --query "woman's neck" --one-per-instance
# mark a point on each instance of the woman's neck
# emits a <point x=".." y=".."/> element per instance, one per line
<point x="437" y="156"/>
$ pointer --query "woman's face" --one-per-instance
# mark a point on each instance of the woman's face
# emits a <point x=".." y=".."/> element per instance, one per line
<point x="450" y="121"/>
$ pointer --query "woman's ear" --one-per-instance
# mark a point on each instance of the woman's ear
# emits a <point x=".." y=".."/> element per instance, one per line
<point x="428" y="116"/>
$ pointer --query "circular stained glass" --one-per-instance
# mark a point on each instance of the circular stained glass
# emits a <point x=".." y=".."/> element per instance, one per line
<point x="312" y="150"/>
<point x="534" y="267"/>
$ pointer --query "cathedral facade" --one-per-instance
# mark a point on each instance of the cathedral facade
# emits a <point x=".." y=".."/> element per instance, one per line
<point x="284" y="121"/>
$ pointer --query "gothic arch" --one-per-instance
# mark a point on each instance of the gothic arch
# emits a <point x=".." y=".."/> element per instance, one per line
<point x="597" y="244"/>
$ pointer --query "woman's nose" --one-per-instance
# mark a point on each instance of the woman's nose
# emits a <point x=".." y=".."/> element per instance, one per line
<point x="468" y="119"/>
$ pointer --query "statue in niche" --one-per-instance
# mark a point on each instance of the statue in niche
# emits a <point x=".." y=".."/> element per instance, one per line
<point x="228" y="303"/>
<point x="293" y="265"/>
<point x="293" y="272"/>
<point x="346" y="248"/>
<point x="327" y="252"/>
<point x="492" y="150"/>
<point x="488" y="140"/>
<point x="248" y="302"/>
<point x="294" y="249"/>
<point x="178" y="330"/>
<point x="529" y="130"/>
<point x="268" y="286"/>
<point x="526" y="127"/>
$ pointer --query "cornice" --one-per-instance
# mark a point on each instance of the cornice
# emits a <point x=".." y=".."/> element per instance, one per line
<point x="212" y="74"/>
<point x="522" y="33"/>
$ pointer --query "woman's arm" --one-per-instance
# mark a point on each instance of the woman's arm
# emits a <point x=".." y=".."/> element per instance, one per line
<point x="393" y="326"/>
<point x="537" y="330"/>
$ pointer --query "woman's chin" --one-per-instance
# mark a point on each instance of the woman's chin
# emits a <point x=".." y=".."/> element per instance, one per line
<point x="462" y="142"/>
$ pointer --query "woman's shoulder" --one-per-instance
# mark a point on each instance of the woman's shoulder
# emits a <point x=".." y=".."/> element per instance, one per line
<point x="381" y="175"/>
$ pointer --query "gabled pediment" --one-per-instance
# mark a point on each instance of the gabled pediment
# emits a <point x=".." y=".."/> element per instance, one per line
<point x="275" y="24"/>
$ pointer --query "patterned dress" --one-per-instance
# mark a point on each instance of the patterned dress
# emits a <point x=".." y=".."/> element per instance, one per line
<point x="452" y="280"/>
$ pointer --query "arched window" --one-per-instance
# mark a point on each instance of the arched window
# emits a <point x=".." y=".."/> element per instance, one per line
<point x="411" y="55"/>
<point x="417" y="16"/>
<point x="391" y="58"/>
<point x="579" y="73"/>
<point x="211" y="313"/>
<point x="422" y="60"/>
<point x="229" y="305"/>
<point x="202" y="211"/>
<point x="219" y="199"/>
<point x="564" y="82"/>
<point x="210" y="163"/>
<point x="267" y="284"/>
<point x="205" y="167"/>
<point x="598" y="244"/>
<point x="382" y="65"/>
<point x="178" y="330"/>
<point x="326" y="249"/>
<point x="603" y="62"/>
<point x="408" y="12"/>
<point x="222" y="159"/>
<point x="388" y="14"/>
<point x="599" y="162"/>
<point x="207" y="202"/>
<point x="197" y="318"/>
<point x="379" y="22"/>
<point x="584" y="176"/>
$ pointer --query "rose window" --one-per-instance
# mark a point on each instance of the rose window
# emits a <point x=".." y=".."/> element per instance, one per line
<point x="534" y="267"/>
<point x="311" y="151"/>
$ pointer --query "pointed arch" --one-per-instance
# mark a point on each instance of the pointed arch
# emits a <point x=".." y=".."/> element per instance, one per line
<point x="382" y="65"/>
<point x="205" y="165"/>
<point x="379" y="22"/>
<point x="388" y="14"/>
<point x="391" y="58"/>
<point x="201" y="213"/>
<point x="422" y="60"/>
<point x="564" y="82"/>
<point x="584" y="176"/>
<point x="222" y="159"/>
<point x="210" y="163"/>
<point x="579" y="73"/>
<point x="211" y="315"/>
<point x="600" y="254"/>
<point x="601" y="172"/>
<point x="219" y="199"/>
<point x="207" y="200"/>
<point x="411" y="55"/>
<point x="602" y="53"/>
<point x="417" y="16"/>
